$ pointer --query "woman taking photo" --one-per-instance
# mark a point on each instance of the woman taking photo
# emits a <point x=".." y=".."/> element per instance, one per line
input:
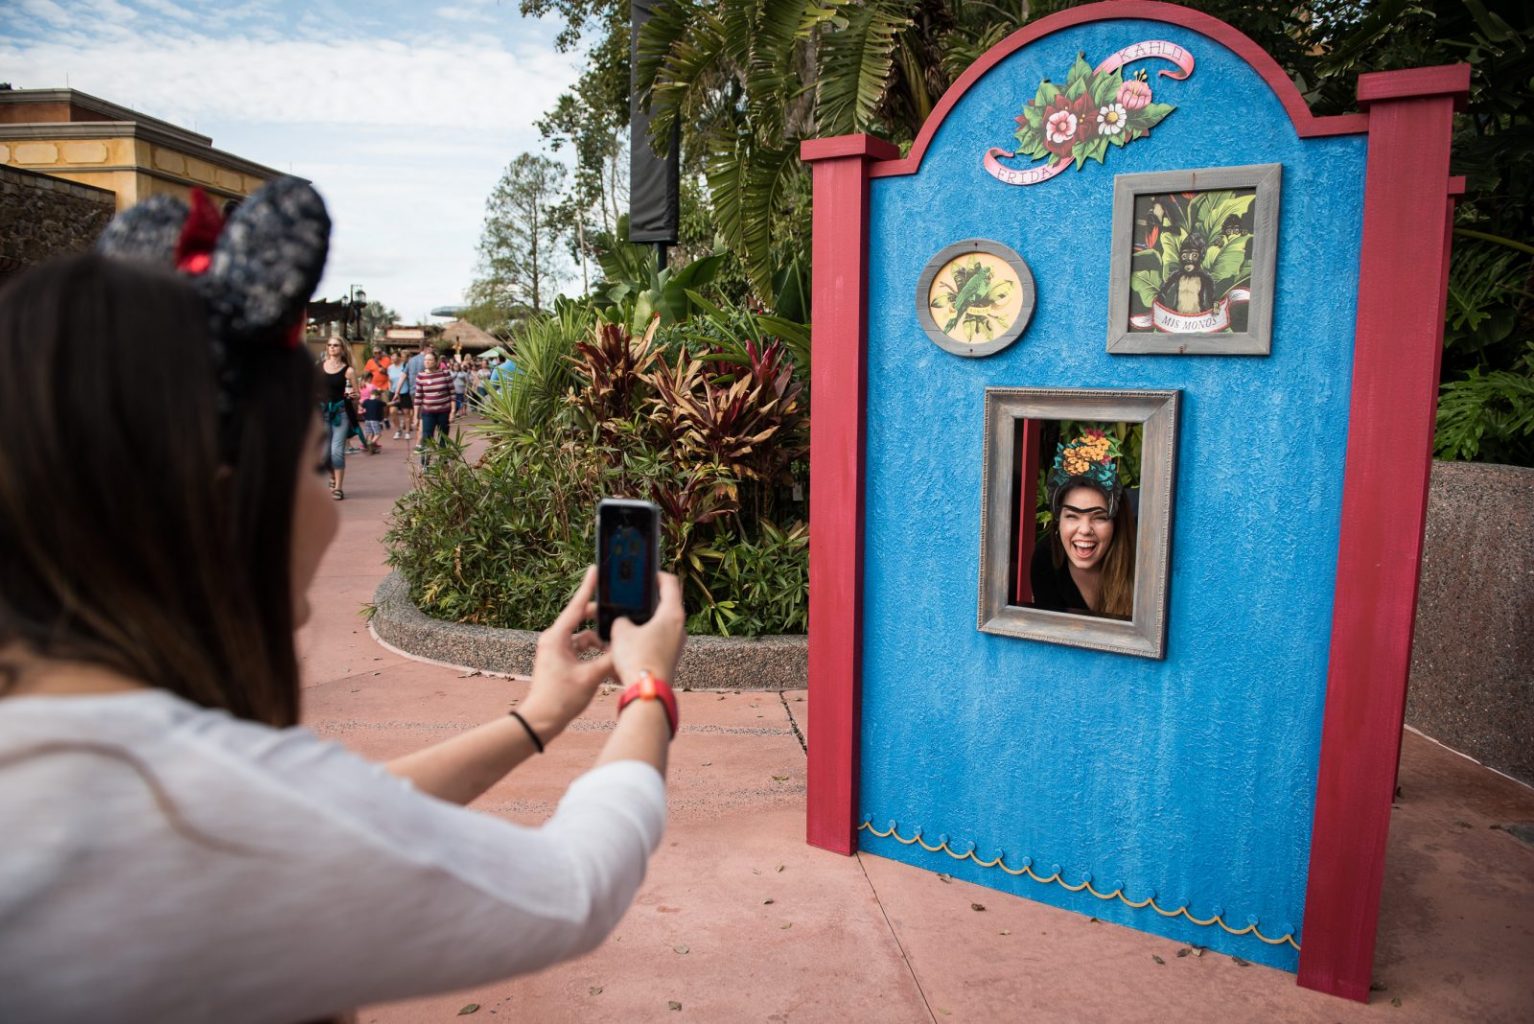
<point x="1086" y="562"/>
<point x="176" y="848"/>
<point x="337" y="383"/>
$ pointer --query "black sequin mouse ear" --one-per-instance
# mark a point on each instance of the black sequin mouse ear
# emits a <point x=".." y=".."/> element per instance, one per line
<point x="146" y="233"/>
<point x="267" y="261"/>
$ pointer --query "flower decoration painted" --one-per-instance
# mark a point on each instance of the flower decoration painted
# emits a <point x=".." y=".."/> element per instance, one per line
<point x="1096" y="108"/>
<point x="1090" y="458"/>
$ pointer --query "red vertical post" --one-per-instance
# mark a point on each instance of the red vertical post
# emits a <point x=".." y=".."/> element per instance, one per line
<point x="1402" y="279"/>
<point x="838" y="337"/>
<point x="1027" y="507"/>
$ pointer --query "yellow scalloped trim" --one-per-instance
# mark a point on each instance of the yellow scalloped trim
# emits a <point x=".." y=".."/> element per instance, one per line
<point x="1149" y="901"/>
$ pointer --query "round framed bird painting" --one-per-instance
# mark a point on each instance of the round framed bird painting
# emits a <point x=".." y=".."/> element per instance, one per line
<point x="975" y="297"/>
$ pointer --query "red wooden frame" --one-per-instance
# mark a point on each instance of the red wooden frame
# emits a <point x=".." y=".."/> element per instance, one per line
<point x="1027" y="522"/>
<point x="1402" y="289"/>
<point x="839" y="336"/>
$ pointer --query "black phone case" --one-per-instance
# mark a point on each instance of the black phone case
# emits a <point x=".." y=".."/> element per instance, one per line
<point x="611" y="513"/>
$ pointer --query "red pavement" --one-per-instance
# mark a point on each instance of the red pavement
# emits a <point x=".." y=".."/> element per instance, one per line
<point x="739" y="920"/>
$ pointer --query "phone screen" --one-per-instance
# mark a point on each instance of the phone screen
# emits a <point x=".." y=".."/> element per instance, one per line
<point x="628" y="541"/>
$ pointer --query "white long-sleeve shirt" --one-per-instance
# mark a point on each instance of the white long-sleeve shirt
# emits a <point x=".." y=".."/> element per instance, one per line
<point x="275" y="877"/>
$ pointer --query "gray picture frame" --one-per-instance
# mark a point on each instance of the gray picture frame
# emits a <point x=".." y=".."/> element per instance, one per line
<point x="942" y="259"/>
<point x="1144" y="635"/>
<point x="1257" y="340"/>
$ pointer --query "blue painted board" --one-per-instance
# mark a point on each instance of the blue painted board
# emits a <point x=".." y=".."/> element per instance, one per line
<point x="1189" y="778"/>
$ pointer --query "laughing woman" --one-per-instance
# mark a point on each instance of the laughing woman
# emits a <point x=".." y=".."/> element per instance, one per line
<point x="1086" y="562"/>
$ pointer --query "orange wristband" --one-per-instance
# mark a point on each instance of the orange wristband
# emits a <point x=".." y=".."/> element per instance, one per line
<point x="649" y="687"/>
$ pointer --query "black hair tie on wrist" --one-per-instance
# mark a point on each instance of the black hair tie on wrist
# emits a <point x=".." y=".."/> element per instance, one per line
<point x="530" y="734"/>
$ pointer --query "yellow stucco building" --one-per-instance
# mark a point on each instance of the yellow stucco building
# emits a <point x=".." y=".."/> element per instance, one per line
<point x="78" y="137"/>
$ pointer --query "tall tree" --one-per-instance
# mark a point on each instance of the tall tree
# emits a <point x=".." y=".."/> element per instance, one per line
<point x="521" y="264"/>
<point x="375" y="317"/>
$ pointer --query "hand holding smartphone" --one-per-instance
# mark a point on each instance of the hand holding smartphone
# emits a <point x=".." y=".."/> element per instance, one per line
<point x="628" y="557"/>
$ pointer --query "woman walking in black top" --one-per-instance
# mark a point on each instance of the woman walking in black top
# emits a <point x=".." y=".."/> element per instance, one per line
<point x="336" y="385"/>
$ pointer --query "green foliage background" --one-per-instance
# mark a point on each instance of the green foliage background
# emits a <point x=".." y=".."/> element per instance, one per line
<point x="701" y="414"/>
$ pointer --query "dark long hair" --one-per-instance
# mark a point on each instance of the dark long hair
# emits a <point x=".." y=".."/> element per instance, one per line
<point x="135" y="535"/>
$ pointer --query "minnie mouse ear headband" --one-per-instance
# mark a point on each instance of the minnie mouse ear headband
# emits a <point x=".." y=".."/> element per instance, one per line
<point x="255" y="271"/>
<point x="1090" y="459"/>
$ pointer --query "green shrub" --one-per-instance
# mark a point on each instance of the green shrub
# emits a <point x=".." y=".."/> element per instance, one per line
<point x="710" y="428"/>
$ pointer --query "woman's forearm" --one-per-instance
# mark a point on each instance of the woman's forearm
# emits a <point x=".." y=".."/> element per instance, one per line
<point x="460" y="769"/>
<point x="643" y="734"/>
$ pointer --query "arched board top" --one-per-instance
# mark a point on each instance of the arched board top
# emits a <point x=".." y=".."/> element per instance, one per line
<point x="1305" y="123"/>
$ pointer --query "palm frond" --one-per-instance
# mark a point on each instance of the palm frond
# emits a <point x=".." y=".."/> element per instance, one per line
<point x="855" y="66"/>
<point x="680" y="48"/>
<point x="746" y="183"/>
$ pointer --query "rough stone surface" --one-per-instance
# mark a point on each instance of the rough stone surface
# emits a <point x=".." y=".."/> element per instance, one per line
<point x="42" y="216"/>
<point x="709" y="662"/>
<point x="1472" y="671"/>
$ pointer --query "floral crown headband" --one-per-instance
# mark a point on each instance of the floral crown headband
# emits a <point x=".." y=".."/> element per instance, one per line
<point x="1090" y="459"/>
<point x="255" y="271"/>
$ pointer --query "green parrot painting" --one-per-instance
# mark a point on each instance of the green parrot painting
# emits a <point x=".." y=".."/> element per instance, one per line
<point x="974" y="297"/>
<point x="972" y="292"/>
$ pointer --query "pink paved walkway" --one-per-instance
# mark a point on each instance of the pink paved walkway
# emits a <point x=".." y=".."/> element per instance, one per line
<point x="739" y="920"/>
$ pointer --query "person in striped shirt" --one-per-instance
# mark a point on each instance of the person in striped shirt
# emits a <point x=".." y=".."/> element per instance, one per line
<point x="434" y="399"/>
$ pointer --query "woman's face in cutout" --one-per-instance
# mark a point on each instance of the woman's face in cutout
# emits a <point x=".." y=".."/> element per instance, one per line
<point x="1086" y="529"/>
<point x="315" y="520"/>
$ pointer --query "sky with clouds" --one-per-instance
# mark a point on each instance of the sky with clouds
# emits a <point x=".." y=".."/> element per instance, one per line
<point x="403" y="114"/>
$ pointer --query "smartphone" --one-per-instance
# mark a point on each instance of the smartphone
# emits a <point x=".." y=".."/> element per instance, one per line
<point x="628" y="556"/>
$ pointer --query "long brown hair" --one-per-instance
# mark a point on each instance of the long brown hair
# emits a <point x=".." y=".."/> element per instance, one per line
<point x="136" y="531"/>
<point x="1116" y="600"/>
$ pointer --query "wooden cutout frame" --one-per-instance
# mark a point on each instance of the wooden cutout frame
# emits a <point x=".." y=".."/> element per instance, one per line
<point x="1257" y="339"/>
<point x="1408" y="122"/>
<point x="1143" y="635"/>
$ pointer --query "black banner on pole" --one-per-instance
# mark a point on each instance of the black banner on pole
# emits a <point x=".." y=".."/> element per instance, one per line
<point x="653" y="191"/>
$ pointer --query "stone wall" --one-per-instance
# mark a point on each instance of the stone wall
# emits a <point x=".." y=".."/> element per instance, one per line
<point x="1472" y="671"/>
<point x="42" y="216"/>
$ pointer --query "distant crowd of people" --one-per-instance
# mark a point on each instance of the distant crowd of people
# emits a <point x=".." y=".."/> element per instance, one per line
<point x="417" y="396"/>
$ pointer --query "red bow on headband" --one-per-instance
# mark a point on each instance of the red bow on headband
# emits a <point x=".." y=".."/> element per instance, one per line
<point x="194" y="249"/>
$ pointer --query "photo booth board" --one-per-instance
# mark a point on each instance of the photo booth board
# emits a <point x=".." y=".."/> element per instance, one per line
<point x="1229" y="787"/>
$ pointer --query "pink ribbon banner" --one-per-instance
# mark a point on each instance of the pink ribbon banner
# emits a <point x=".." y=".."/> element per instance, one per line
<point x="1145" y="51"/>
<point x="1150" y="48"/>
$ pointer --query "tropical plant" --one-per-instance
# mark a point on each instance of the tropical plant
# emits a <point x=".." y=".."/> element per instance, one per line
<point x="707" y="424"/>
<point x="1489" y="417"/>
<point x="636" y="290"/>
<point x="733" y="73"/>
<point x="543" y="347"/>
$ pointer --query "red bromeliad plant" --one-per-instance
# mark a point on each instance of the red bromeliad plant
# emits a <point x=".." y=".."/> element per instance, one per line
<point x="613" y="367"/>
<point x="710" y="441"/>
<point x="747" y="424"/>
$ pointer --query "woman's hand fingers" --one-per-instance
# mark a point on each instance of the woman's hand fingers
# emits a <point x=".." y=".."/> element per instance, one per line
<point x="670" y="595"/>
<point x="657" y="644"/>
<point x="586" y="640"/>
<point x="575" y="612"/>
